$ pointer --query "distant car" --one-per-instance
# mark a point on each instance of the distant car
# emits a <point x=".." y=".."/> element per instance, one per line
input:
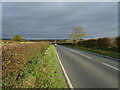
<point x="55" y="44"/>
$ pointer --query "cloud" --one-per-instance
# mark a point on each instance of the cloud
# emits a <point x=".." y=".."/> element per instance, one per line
<point x="57" y="19"/>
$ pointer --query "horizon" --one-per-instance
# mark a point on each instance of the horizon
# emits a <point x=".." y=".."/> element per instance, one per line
<point x="57" y="38"/>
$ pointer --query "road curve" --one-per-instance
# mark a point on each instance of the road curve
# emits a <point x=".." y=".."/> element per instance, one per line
<point x="86" y="70"/>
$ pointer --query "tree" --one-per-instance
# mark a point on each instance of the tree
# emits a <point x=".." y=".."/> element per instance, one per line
<point x="104" y="43"/>
<point x="92" y="43"/>
<point x="17" y="38"/>
<point x="118" y="42"/>
<point x="77" y="34"/>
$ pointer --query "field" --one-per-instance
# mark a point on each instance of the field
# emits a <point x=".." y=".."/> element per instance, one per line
<point x="30" y="65"/>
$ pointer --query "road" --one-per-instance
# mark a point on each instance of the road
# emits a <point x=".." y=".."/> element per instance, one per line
<point x="86" y="70"/>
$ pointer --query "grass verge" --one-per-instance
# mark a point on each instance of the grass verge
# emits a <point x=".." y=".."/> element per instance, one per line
<point x="109" y="53"/>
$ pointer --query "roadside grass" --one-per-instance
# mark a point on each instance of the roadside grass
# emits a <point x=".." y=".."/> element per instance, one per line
<point x="41" y="71"/>
<point x="111" y="53"/>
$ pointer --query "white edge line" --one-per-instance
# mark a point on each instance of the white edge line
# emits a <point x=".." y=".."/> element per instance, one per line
<point x="67" y="78"/>
<point x="111" y="66"/>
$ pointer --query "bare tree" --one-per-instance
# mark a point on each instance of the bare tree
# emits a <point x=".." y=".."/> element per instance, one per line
<point x="77" y="34"/>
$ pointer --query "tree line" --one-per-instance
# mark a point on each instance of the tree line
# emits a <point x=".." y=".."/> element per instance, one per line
<point x="100" y="43"/>
<point x="103" y="43"/>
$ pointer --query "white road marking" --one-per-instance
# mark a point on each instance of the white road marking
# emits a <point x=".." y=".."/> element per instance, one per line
<point x="65" y="73"/>
<point x="111" y="66"/>
<point x="86" y="56"/>
<point x="79" y="53"/>
<point x="73" y="51"/>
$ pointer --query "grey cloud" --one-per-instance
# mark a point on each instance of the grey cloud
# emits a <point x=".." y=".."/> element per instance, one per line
<point x="56" y="20"/>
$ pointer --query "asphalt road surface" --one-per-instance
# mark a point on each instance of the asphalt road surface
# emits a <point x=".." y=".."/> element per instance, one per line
<point x="87" y="70"/>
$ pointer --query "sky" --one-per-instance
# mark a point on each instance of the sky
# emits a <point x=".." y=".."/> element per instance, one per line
<point x="55" y="20"/>
<point x="0" y="20"/>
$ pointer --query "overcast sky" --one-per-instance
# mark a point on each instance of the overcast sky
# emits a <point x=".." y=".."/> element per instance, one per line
<point x="57" y="19"/>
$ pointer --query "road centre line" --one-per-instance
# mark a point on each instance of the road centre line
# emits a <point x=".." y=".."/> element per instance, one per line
<point x="79" y="53"/>
<point x="85" y="56"/>
<point x="111" y="66"/>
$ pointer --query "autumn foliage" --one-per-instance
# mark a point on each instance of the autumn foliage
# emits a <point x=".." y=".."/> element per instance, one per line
<point x="102" y="43"/>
